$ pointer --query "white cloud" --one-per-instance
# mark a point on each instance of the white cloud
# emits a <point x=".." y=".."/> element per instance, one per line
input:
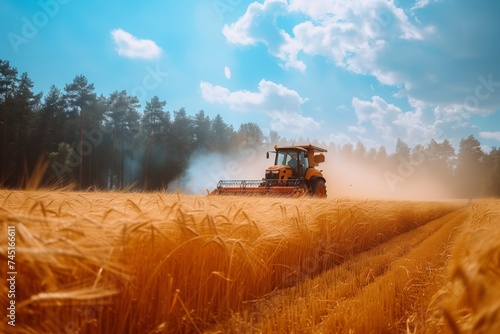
<point x="340" y="139"/>
<point x="227" y="72"/>
<point x="287" y="122"/>
<point x="257" y="24"/>
<point x="455" y="115"/>
<point x="281" y="104"/>
<point x="490" y="135"/>
<point x="422" y="3"/>
<point x="130" y="46"/>
<point x="270" y="97"/>
<point x="391" y="122"/>
<point x="240" y="100"/>
<point x="350" y="33"/>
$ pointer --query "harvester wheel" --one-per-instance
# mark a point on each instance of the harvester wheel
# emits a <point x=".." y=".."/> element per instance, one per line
<point x="319" y="189"/>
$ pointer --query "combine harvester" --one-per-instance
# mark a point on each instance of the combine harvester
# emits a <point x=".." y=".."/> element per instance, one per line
<point x="293" y="174"/>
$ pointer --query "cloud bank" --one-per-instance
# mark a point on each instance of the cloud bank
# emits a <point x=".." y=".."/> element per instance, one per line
<point x="432" y="56"/>
<point x="440" y="59"/>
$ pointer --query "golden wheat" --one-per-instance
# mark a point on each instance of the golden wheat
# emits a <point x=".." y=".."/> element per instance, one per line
<point x="469" y="301"/>
<point x="108" y="262"/>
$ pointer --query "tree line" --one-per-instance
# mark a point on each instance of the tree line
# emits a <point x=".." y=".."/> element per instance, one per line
<point x="107" y="142"/>
<point x="101" y="141"/>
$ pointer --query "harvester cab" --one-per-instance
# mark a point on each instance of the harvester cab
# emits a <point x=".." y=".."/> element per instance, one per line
<point x="293" y="174"/>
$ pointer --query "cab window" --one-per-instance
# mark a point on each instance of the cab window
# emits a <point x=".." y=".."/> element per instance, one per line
<point x="303" y="161"/>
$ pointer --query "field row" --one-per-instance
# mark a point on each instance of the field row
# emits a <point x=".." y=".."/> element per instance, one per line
<point x="385" y="289"/>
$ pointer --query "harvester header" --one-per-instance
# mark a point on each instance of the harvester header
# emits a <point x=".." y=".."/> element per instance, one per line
<point x="293" y="174"/>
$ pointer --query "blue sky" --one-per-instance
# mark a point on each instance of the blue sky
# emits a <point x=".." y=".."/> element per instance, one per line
<point x="339" y="71"/>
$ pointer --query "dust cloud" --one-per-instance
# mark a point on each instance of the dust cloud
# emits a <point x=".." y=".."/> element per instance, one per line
<point x="358" y="179"/>
<point x="205" y="170"/>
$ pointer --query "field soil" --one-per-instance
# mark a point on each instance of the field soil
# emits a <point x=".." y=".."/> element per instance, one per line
<point x="115" y="262"/>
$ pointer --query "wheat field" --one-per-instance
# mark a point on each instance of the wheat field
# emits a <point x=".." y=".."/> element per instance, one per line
<point x="125" y="262"/>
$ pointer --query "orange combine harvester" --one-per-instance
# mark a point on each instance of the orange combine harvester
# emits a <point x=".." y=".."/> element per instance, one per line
<point x="293" y="174"/>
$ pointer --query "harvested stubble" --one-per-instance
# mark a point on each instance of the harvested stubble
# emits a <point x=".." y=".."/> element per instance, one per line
<point x="110" y="262"/>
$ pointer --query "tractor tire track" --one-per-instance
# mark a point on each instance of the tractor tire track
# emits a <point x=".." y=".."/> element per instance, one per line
<point x="397" y="300"/>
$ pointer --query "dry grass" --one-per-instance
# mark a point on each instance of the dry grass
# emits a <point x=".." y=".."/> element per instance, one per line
<point x="108" y="262"/>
